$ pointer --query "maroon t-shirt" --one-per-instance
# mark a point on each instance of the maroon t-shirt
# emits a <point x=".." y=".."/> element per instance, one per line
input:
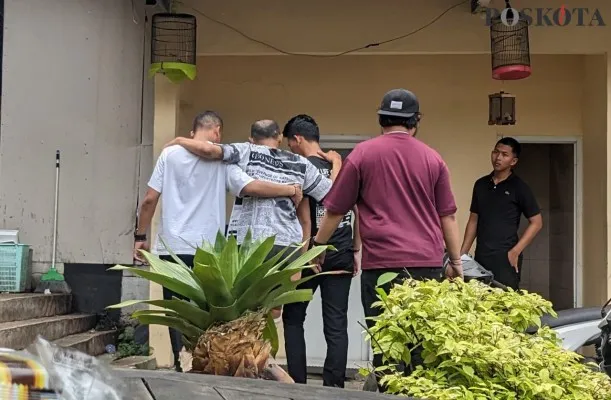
<point x="401" y="187"/>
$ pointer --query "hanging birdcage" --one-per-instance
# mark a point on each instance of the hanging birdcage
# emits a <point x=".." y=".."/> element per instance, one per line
<point x="501" y="109"/>
<point x="509" y="46"/>
<point x="173" y="46"/>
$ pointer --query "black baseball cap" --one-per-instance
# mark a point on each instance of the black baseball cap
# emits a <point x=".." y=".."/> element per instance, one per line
<point x="399" y="103"/>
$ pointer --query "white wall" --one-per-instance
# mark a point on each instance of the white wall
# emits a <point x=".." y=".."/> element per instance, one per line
<point x="72" y="80"/>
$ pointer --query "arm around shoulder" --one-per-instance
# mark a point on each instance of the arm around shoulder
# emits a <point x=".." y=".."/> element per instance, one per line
<point x="240" y="184"/>
<point x="200" y="148"/>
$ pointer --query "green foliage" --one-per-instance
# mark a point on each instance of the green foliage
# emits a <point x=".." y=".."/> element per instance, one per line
<point x="474" y="345"/>
<point x="225" y="283"/>
<point x="127" y="346"/>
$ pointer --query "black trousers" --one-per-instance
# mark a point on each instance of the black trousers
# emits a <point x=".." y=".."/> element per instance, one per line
<point x="277" y="249"/>
<point x="175" y="336"/>
<point x="369" y="279"/>
<point x="498" y="263"/>
<point x="334" y="291"/>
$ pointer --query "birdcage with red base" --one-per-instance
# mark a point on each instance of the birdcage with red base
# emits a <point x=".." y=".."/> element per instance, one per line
<point x="509" y="46"/>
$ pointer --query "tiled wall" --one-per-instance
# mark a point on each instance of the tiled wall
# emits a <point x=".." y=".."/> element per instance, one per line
<point x="548" y="261"/>
<point x="561" y="226"/>
<point x="534" y="168"/>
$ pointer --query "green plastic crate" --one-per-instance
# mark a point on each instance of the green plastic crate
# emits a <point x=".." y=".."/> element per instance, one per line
<point x="14" y="271"/>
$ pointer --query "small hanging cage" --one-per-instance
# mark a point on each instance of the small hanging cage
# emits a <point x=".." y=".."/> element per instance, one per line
<point x="501" y="109"/>
<point x="173" y="46"/>
<point x="509" y="46"/>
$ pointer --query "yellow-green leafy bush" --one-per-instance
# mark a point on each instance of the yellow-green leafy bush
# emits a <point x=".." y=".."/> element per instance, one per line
<point x="474" y="345"/>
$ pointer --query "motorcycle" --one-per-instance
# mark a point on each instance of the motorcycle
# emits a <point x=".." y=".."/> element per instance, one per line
<point x="576" y="327"/>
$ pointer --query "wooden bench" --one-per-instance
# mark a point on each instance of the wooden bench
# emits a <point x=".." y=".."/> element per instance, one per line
<point x="167" y="385"/>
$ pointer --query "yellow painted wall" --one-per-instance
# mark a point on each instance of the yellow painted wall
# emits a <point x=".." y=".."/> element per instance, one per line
<point x="331" y="27"/>
<point x="343" y="94"/>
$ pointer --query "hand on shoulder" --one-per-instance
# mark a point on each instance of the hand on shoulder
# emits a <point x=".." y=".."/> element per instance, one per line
<point x="331" y="156"/>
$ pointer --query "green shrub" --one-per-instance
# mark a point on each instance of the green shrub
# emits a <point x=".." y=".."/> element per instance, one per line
<point x="127" y="346"/>
<point x="474" y="345"/>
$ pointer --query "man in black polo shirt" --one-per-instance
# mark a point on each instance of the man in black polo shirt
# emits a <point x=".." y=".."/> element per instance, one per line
<point x="303" y="138"/>
<point x="498" y="202"/>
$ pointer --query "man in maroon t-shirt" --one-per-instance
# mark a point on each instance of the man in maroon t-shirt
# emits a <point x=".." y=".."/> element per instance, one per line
<point x="406" y="207"/>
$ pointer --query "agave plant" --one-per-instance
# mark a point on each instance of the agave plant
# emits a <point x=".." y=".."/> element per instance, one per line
<point x="227" y="322"/>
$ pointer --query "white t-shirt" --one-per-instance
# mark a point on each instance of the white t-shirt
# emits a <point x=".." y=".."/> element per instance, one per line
<point x="270" y="216"/>
<point x="192" y="199"/>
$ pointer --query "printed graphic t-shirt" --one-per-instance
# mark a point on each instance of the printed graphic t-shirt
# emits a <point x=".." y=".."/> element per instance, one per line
<point x="271" y="216"/>
<point x="342" y="237"/>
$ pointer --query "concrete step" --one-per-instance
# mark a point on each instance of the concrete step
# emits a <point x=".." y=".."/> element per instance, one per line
<point x="137" y="362"/>
<point x="92" y="342"/>
<point x="20" y="334"/>
<point x="132" y="362"/>
<point x="24" y="306"/>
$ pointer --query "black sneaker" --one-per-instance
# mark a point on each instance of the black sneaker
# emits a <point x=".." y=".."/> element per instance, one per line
<point x="177" y="366"/>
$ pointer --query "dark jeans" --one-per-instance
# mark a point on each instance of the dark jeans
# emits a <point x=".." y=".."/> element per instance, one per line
<point x="498" y="263"/>
<point x="334" y="291"/>
<point x="369" y="279"/>
<point x="175" y="336"/>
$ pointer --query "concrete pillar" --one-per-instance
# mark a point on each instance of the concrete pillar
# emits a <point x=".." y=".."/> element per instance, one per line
<point x="167" y="98"/>
<point x="595" y="181"/>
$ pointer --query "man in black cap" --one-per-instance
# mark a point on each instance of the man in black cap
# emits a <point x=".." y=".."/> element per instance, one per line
<point x="406" y="207"/>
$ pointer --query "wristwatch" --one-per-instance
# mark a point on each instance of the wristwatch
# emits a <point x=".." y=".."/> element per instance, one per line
<point x="140" y="238"/>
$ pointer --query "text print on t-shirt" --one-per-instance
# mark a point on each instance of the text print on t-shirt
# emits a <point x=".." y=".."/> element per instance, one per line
<point x="320" y="209"/>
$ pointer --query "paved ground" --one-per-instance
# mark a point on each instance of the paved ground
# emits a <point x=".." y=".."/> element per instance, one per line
<point x="316" y="380"/>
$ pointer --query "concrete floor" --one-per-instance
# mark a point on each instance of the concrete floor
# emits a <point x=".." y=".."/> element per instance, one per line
<point x="352" y="384"/>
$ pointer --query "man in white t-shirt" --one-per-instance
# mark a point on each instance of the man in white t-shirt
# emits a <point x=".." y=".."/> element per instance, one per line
<point x="192" y="191"/>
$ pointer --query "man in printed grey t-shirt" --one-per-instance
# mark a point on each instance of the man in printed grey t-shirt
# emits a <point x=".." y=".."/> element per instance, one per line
<point x="261" y="159"/>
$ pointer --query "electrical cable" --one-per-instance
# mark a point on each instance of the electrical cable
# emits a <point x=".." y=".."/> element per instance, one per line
<point x="354" y="50"/>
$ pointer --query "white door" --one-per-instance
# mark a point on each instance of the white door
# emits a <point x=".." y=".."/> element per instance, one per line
<point x="358" y="348"/>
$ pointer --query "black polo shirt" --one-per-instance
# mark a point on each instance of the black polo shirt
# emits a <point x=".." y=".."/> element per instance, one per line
<point x="499" y="208"/>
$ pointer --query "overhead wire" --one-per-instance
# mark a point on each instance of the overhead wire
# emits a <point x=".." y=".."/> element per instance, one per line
<point x="353" y="50"/>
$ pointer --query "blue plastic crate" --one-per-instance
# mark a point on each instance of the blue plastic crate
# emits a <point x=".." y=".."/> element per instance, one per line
<point x="14" y="267"/>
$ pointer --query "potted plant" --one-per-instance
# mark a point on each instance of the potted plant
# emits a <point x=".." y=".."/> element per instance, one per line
<point x="227" y="322"/>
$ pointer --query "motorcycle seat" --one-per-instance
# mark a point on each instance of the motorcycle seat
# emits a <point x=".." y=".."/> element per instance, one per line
<point x="569" y="317"/>
<point x="572" y="316"/>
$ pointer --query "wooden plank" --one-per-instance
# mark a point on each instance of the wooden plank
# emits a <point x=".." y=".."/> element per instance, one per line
<point x="166" y="389"/>
<point x="256" y="386"/>
<point x="234" y="394"/>
<point x="136" y="390"/>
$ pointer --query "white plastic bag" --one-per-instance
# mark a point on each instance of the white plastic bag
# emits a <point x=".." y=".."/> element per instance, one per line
<point x="77" y="376"/>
